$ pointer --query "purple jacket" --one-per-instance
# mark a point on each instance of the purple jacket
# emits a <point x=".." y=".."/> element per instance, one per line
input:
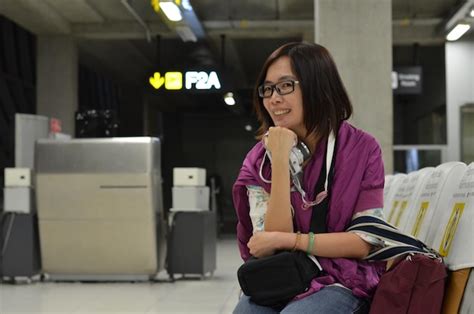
<point x="357" y="185"/>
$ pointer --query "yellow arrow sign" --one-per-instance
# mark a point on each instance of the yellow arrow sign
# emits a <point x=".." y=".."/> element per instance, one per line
<point x="157" y="81"/>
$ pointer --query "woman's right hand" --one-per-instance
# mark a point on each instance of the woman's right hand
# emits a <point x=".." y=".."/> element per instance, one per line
<point x="262" y="244"/>
<point x="279" y="141"/>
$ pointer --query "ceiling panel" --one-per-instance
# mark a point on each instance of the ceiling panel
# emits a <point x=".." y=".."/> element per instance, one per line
<point x="114" y="10"/>
<point x="235" y="10"/>
<point x="76" y="11"/>
<point x="422" y="8"/>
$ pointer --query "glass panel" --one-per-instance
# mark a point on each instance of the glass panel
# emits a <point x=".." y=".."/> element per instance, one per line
<point x="413" y="159"/>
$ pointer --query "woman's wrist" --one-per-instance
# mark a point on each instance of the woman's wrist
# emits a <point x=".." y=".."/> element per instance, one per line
<point x="285" y="240"/>
<point x="280" y="157"/>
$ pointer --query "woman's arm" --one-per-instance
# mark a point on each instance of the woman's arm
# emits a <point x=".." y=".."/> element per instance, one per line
<point x="332" y="245"/>
<point x="278" y="217"/>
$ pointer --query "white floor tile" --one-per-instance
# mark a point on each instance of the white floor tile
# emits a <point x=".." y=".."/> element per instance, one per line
<point x="189" y="295"/>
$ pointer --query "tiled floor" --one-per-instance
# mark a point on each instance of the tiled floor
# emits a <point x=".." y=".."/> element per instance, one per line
<point x="218" y="294"/>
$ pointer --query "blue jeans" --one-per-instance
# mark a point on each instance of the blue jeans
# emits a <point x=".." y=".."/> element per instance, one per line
<point x="331" y="299"/>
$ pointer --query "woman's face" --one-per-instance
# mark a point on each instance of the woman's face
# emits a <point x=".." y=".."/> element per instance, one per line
<point x="285" y="110"/>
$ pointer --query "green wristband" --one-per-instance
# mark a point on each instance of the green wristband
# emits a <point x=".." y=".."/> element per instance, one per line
<point x="310" y="244"/>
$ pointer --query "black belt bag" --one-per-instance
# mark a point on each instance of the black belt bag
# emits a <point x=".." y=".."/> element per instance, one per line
<point x="275" y="280"/>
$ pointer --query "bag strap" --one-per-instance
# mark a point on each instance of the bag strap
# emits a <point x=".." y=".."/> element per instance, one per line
<point x="397" y="243"/>
<point x="324" y="183"/>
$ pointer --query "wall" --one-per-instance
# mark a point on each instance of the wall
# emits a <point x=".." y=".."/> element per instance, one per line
<point x="459" y="89"/>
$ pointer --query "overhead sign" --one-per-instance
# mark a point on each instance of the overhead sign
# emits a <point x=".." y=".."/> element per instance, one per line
<point x="407" y="80"/>
<point x="193" y="80"/>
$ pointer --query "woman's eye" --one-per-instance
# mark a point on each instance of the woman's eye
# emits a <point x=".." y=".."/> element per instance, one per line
<point x="267" y="89"/>
<point x="285" y="85"/>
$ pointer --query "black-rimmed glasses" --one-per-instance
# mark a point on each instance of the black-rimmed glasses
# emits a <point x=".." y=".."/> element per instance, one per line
<point x="282" y="88"/>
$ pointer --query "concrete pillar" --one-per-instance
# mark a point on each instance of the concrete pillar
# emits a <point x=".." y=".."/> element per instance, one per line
<point x="359" y="36"/>
<point x="57" y="79"/>
<point x="459" y="91"/>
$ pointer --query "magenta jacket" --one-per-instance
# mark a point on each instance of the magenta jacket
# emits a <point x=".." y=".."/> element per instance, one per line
<point x="357" y="186"/>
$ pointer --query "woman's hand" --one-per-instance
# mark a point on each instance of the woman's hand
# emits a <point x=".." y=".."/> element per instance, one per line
<point x="279" y="141"/>
<point x="263" y="243"/>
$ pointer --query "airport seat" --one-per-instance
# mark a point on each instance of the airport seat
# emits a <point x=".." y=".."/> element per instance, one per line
<point x="388" y="184"/>
<point x="407" y="194"/>
<point x="434" y="194"/>
<point x="436" y="205"/>
<point x="389" y="203"/>
<point x="467" y="304"/>
<point x="451" y="232"/>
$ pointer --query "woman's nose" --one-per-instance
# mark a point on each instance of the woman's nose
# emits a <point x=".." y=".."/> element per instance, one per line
<point x="275" y="97"/>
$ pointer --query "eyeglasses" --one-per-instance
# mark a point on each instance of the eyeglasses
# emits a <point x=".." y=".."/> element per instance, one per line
<point x="282" y="88"/>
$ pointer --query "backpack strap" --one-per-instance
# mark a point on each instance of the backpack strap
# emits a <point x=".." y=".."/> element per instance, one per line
<point x="396" y="242"/>
<point x="320" y="211"/>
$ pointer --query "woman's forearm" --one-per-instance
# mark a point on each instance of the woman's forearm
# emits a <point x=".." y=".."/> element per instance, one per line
<point x="278" y="216"/>
<point x="332" y="245"/>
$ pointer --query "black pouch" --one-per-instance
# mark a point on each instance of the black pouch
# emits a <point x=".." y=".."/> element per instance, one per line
<point x="274" y="280"/>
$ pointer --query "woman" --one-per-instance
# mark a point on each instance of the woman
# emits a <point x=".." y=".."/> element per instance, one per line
<point x="300" y="97"/>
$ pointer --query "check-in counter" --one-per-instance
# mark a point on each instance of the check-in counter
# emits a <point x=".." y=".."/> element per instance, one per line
<point x="100" y="208"/>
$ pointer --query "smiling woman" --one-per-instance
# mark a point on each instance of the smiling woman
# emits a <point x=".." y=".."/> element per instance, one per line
<point x="285" y="107"/>
<point x="300" y="97"/>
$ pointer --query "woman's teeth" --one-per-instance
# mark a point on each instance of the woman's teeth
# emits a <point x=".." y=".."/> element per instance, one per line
<point x="280" y="112"/>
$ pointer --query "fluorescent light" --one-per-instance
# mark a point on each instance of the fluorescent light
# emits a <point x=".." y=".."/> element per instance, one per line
<point x="171" y="10"/>
<point x="229" y="99"/>
<point x="186" y="5"/>
<point x="458" y="31"/>
<point x="472" y="13"/>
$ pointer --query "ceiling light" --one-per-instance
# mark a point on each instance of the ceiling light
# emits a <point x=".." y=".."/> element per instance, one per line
<point x="248" y="127"/>
<point x="229" y="99"/>
<point x="458" y="31"/>
<point x="186" y="5"/>
<point x="459" y="15"/>
<point x="471" y="14"/>
<point x="171" y="10"/>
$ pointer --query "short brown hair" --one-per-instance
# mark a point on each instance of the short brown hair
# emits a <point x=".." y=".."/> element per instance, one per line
<point x="325" y="100"/>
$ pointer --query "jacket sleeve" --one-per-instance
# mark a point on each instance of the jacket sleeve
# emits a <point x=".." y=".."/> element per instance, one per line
<point x="244" y="224"/>
<point x="371" y="188"/>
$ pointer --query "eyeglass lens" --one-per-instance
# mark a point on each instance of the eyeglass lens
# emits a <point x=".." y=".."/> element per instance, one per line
<point x="282" y="88"/>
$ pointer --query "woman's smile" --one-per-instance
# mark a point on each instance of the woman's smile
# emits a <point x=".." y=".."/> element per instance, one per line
<point x="281" y="112"/>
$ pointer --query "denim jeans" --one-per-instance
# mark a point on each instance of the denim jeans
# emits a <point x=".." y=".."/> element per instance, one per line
<point x="331" y="299"/>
